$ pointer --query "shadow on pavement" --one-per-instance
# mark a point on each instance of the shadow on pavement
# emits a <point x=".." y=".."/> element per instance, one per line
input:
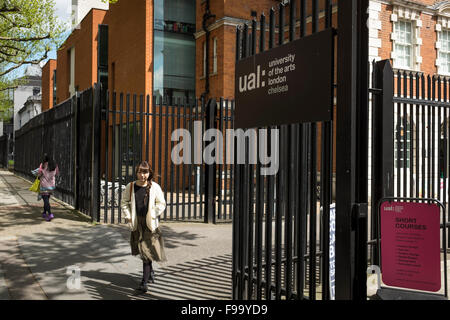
<point x="108" y="271"/>
<point x="38" y="256"/>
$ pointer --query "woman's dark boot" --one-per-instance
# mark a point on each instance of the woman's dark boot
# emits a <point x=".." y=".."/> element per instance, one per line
<point x="145" y="277"/>
<point x="142" y="287"/>
<point x="152" y="274"/>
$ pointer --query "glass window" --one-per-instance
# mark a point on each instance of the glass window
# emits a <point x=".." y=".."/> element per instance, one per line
<point x="174" y="48"/>
<point x="54" y="88"/>
<point x="204" y="59"/>
<point x="444" y="51"/>
<point x="403" y="44"/>
<point x="102" y="68"/>
<point x="215" y="56"/>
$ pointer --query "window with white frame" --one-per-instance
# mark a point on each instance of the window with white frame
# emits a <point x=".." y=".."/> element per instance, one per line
<point x="403" y="44"/>
<point x="204" y="59"/>
<point x="444" y="51"/>
<point x="406" y="40"/>
<point x="215" y="56"/>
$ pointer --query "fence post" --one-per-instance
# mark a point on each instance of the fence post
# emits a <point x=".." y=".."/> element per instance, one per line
<point x="383" y="146"/>
<point x="351" y="166"/>
<point x="210" y="169"/>
<point x="75" y="102"/>
<point x="96" y="149"/>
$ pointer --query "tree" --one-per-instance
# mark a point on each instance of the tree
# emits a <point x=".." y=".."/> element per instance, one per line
<point x="29" y="30"/>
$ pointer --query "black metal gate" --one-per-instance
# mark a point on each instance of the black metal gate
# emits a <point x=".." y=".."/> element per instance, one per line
<point x="281" y="225"/>
<point x="410" y="141"/>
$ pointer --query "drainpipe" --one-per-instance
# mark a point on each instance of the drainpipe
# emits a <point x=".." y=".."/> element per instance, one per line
<point x="206" y="17"/>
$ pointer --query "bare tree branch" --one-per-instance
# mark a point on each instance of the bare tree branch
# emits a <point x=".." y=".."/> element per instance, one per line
<point x="36" y="61"/>
<point x="12" y="9"/>
<point x="6" y="53"/>
<point x="25" y="39"/>
<point x="14" y="23"/>
<point x="11" y="47"/>
<point x="9" y="19"/>
<point x="5" y="58"/>
<point x="9" y="87"/>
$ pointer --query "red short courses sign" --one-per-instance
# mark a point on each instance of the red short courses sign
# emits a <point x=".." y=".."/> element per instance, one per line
<point x="410" y="247"/>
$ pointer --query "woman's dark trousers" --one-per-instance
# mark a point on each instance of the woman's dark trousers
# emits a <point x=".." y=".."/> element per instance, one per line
<point x="47" y="208"/>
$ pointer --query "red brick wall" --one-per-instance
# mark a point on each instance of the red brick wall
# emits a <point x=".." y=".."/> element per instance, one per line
<point x="130" y="50"/>
<point x="84" y="40"/>
<point x="428" y="50"/>
<point x="385" y="33"/>
<point x="222" y="83"/>
<point x="130" y="25"/>
<point x="47" y="84"/>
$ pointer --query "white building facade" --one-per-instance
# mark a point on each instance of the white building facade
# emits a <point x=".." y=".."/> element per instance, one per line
<point x="80" y="8"/>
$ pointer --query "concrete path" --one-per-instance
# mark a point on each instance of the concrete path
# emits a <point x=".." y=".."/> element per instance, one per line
<point x="42" y="260"/>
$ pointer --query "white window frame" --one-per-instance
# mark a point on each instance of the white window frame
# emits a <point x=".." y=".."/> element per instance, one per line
<point x="214" y="55"/>
<point x="407" y="15"/>
<point x="443" y="67"/>
<point x="204" y="59"/>
<point x="442" y="25"/>
<point x="406" y="45"/>
<point x="72" y="71"/>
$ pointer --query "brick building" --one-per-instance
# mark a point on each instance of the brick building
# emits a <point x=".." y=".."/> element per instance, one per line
<point x="152" y="47"/>
<point x="176" y="48"/>
<point x="216" y="23"/>
<point x="159" y="47"/>
<point x="414" y="35"/>
<point x="49" y="84"/>
<point x="186" y="49"/>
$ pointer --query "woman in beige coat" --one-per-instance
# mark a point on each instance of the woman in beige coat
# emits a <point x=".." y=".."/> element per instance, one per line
<point x="142" y="204"/>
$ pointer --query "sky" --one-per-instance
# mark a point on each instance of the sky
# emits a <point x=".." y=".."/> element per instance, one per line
<point x="63" y="12"/>
<point x="63" y="9"/>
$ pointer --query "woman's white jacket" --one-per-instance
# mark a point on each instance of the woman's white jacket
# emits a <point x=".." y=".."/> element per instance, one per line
<point x="156" y="206"/>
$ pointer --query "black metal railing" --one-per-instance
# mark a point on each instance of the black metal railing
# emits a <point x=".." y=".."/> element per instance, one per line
<point x="410" y="141"/>
<point x="139" y="130"/>
<point x="4" y="142"/>
<point x="50" y="132"/>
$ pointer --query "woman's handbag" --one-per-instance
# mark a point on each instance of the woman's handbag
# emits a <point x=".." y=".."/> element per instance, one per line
<point x="35" y="187"/>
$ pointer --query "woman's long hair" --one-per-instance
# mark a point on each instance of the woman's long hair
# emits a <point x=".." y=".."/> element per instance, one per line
<point x="145" y="166"/>
<point x="51" y="164"/>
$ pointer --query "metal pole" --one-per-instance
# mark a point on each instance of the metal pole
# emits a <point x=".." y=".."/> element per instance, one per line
<point x="383" y="135"/>
<point x="210" y="169"/>
<point x="352" y="86"/>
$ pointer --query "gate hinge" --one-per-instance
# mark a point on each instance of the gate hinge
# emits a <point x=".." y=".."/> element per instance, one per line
<point x="360" y="210"/>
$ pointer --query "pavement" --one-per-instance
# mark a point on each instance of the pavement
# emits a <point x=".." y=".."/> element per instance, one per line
<point x="71" y="258"/>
